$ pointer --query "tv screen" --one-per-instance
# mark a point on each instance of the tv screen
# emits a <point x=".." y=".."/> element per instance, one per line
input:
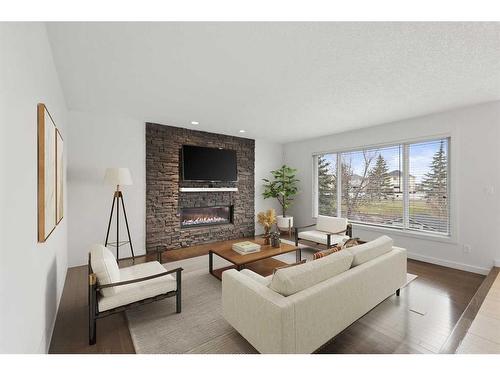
<point x="208" y="164"/>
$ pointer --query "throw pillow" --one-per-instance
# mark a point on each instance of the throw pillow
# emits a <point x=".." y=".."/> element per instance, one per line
<point x="350" y="243"/>
<point x="324" y="253"/>
<point x="288" y="265"/>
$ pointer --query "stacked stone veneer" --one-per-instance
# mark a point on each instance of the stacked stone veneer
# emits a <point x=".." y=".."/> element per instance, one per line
<point x="163" y="180"/>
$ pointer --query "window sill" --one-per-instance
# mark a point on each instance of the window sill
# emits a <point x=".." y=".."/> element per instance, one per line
<point x="405" y="233"/>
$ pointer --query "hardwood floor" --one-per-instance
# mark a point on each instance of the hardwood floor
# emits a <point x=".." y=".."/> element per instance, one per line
<point x="419" y="321"/>
<point x="470" y="313"/>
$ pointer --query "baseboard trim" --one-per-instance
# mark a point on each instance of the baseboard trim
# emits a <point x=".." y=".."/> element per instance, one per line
<point x="447" y="263"/>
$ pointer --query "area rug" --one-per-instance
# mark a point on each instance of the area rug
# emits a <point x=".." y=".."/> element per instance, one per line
<point x="200" y="328"/>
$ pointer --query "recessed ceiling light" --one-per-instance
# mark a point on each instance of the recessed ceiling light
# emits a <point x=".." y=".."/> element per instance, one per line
<point x="195" y="123"/>
<point x="242" y="131"/>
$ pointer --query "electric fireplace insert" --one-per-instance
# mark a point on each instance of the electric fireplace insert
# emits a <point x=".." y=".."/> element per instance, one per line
<point x="202" y="216"/>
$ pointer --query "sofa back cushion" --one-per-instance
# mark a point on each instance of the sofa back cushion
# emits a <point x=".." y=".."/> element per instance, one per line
<point x="288" y="281"/>
<point x="331" y="224"/>
<point x="370" y="250"/>
<point x="105" y="267"/>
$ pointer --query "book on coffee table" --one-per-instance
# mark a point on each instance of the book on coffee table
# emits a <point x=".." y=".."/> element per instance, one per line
<point x="246" y="247"/>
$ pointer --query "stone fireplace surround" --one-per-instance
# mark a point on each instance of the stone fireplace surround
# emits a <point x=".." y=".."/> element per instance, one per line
<point x="164" y="200"/>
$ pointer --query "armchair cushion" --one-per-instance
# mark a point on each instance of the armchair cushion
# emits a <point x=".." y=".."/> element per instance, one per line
<point x="129" y="293"/>
<point x="331" y="224"/>
<point x="321" y="237"/>
<point x="105" y="267"/>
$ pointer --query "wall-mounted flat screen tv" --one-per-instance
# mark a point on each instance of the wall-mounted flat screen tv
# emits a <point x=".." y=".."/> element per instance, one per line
<point x="208" y="164"/>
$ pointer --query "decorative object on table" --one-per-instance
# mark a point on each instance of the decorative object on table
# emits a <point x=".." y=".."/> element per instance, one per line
<point x="47" y="204"/>
<point x="117" y="177"/>
<point x="59" y="177"/>
<point x="275" y="239"/>
<point x="283" y="187"/>
<point x="267" y="219"/>
<point x="246" y="247"/>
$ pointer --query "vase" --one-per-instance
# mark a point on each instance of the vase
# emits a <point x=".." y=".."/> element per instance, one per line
<point x="266" y="237"/>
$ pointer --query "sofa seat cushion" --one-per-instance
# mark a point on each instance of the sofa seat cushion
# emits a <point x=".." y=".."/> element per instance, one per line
<point x="137" y="291"/>
<point x="370" y="250"/>
<point x="331" y="224"/>
<point x="321" y="237"/>
<point x="105" y="267"/>
<point x="288" y="281"/>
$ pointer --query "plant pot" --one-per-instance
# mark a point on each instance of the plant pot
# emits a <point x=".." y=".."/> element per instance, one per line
<point x="284" y="223"/>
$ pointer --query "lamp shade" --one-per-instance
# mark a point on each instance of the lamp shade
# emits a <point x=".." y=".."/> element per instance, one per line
<point x="118" y="176"/>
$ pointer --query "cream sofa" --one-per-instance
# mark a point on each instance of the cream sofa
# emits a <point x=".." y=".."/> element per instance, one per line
<point x="302" y="307"/>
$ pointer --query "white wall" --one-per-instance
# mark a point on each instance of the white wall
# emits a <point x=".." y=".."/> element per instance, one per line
<point x="100" y="141"/>
<point x="475" y="166"/>
<point x="32" y="274"/>
<point x="268" y="157"/>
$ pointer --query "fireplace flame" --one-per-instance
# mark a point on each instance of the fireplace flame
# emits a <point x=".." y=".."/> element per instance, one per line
<point x="204" y="220"/>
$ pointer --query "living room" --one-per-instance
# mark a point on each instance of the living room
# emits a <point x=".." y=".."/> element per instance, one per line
<point x="250" y="187"/>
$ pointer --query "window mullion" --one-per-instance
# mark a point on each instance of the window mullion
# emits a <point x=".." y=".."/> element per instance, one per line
<point x="315" y="187"/>
<point x="339" y="185"/>
<point x="406" y="192"/>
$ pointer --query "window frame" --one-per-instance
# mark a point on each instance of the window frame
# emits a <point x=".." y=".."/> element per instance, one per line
<point x="405" y="230"/>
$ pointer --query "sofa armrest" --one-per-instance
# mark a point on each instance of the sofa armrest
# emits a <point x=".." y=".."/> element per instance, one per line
<point x="262" y="316"/>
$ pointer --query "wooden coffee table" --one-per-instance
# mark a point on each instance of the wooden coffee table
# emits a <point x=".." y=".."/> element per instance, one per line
<point x="239" y="261"/>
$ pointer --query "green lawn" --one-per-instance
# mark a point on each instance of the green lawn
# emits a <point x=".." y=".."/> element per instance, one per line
<point x="417" y="207"/>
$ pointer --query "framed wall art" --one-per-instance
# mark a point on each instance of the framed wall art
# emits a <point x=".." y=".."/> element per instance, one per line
<point x="47" y="155"/>
<point x="59" y="177"/>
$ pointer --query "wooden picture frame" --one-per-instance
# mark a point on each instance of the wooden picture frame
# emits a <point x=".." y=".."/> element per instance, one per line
<point x="59" y="177"/>
<point x="47" y="138"/>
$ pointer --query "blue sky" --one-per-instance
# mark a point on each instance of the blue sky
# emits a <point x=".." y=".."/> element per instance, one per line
<point x="421" y="155"/>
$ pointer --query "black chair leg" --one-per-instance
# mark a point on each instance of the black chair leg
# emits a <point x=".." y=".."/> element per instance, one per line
<point x="92" y="308"/>
<point x="178" y="294"/>
<point x="397" y="292"/>
<point x="92" y="331"/>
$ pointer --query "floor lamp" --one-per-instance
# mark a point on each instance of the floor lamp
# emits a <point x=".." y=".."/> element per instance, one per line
<point x="117" y="177"/>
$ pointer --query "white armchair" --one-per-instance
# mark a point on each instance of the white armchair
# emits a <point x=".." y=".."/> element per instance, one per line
<point x="113" y="290"/>
<point x="328" y="231"/>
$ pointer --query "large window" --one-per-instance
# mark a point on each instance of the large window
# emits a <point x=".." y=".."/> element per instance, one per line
<point x="403" y="186"/>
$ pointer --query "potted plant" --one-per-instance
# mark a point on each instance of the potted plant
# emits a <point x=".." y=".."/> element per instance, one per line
<point x="267" y="219"/>
<point x="283" y="187"/>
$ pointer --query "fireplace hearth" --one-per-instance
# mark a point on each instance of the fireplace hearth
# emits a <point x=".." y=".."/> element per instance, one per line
<point x="203" y="216"/>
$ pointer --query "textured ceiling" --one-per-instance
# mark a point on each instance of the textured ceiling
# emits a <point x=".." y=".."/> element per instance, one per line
<point x="278" y="81"/>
